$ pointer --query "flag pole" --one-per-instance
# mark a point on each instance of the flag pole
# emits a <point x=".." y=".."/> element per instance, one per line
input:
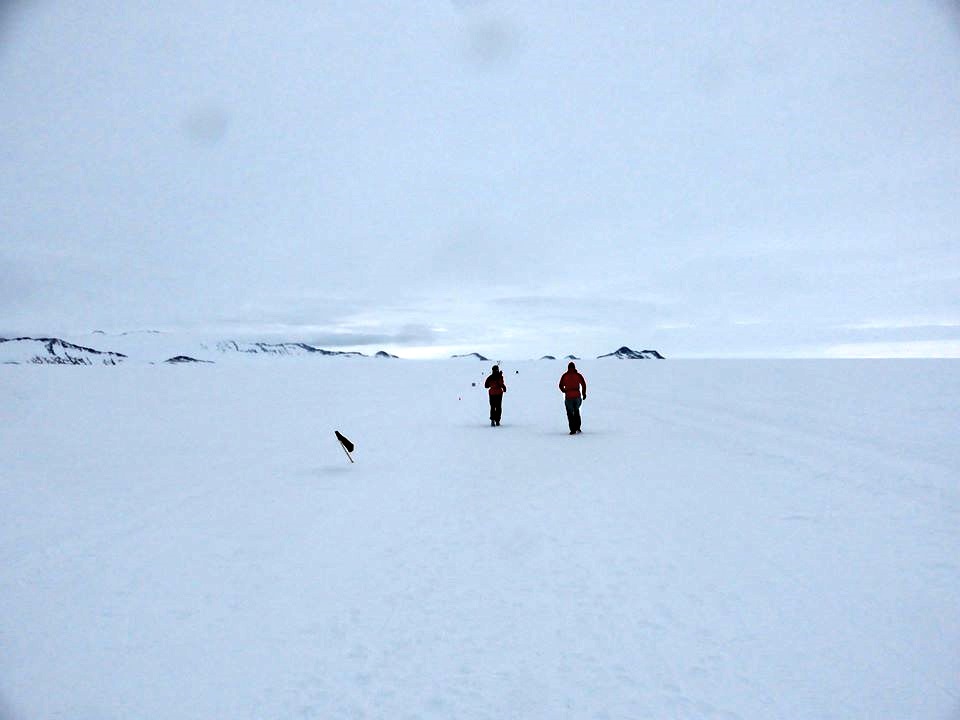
<point x="345" y="444"/>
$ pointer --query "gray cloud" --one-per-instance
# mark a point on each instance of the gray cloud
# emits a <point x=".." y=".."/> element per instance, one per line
<point x="206" y="123"/>
<point x="8" y="13"/>
<point x="493" y="41"/>
<point x="409" y="335"/>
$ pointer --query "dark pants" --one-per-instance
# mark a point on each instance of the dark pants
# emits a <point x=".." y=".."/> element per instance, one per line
<point x="496" y="408"/>
<point x="573" y="413"/>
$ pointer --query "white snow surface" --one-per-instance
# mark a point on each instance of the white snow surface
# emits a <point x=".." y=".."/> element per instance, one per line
<point x="726" y="539"/>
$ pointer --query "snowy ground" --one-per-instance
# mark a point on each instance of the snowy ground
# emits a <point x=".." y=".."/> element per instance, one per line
<point x="725" y="540"/>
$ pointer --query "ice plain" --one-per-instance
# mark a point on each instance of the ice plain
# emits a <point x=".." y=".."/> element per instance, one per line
<point x="726" y="539"/>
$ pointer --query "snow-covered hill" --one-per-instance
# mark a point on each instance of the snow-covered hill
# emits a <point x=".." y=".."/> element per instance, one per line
<point x="724" y="540"/>
<point x="53" y="351"/>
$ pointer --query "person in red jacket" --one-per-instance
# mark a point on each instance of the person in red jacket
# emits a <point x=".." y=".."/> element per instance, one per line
<point x="497" y="387"/>
<point x="570" y="384"/>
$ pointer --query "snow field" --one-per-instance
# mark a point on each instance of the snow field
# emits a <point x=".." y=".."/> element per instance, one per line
<point x="726" y="539"/>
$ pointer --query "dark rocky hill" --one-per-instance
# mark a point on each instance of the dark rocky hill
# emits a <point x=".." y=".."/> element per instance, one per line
<point x="625" y="353"/>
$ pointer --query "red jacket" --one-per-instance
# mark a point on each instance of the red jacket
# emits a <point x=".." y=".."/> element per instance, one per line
<point x="496" y="384"/>
<point x="571" y="382"/>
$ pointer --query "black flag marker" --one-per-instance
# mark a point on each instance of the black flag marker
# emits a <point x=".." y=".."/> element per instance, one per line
<point x="345" y="442"/>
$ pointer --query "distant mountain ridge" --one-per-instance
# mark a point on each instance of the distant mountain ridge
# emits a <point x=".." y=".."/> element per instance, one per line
<point x="285" y="348"/>
<point x="625" y="353"/>
<point x="56" y="351"/>
<point x="291" y="348"/>
<point x="53" y="351"/>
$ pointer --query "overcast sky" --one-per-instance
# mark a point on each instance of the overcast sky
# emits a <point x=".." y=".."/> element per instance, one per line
<point x="519" y="178"/>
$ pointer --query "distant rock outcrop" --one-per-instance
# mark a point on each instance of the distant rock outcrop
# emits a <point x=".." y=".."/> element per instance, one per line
<point x="54" y="351"/>
<point x="385" y="354"/>
<point x="570" y="357"/>
<point x="548" y="357"/>
<point x="626" y="353"/>
<point x="185" y="359"/>
<point x="473" y="355"/>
